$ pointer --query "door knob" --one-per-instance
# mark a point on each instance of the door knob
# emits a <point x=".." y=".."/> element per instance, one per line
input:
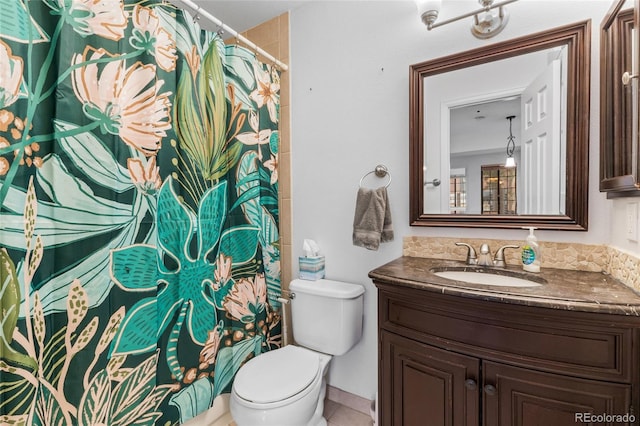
<point x="470" y="384"/>
<point x="490" y="390"/>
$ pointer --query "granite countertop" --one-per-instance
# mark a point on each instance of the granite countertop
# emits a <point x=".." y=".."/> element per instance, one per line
<point x="560" y="289"/>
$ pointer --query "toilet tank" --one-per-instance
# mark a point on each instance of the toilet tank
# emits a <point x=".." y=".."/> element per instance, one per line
<point x="326" y="315"/>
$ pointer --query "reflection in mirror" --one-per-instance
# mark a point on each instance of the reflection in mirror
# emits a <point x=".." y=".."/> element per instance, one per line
<point x="475" y="128"/>
<point x="466" y="108"/>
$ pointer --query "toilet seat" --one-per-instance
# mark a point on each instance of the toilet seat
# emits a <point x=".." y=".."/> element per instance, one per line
<point x="277" y="375"/>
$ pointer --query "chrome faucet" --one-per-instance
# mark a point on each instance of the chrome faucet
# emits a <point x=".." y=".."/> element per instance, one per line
<point x="484" y="259"/>
<point x="498" y="259"/>
<point x="472" y="259"/>
<point x="485" y="256"/>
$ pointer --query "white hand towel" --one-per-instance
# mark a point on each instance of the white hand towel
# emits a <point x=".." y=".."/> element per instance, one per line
<point x="372" y="220"/>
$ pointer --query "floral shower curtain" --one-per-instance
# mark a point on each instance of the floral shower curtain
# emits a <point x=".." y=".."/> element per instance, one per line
<point x="139" y="246"/>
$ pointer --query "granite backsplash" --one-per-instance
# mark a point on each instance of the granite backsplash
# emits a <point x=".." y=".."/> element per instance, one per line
<point x="573" y="256"/>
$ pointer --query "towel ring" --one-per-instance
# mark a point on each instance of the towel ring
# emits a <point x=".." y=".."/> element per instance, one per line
<point x="380" y="171"/>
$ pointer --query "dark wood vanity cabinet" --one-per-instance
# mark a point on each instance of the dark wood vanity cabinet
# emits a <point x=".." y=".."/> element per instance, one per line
<point x="619" y="136"/>
<point x="451" y="360"/>
<point x="428" y="385"/>
<point x="537" y="398"/>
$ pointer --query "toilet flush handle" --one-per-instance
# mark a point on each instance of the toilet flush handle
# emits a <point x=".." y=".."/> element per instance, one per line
<point x="289" y="296"/>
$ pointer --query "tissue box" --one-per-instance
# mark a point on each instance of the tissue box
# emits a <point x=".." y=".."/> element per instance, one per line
<point x="311" y="268"/>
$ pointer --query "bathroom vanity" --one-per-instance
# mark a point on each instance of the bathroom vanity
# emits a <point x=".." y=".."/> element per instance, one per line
<point x="455" y="353"/>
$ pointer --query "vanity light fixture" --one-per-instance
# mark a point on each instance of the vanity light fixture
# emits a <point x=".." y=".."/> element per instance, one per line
<point x="486" y="22"/>
<point x="511" y="145"/>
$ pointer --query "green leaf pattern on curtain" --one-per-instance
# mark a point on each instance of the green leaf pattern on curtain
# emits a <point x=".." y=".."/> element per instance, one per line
<point x="139" y="246"/>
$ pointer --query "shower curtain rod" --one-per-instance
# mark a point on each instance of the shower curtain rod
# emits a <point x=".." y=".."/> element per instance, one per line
<point x="199" y="12"/>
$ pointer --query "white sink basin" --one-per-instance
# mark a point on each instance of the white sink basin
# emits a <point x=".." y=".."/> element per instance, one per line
<point x="487" y="278"/>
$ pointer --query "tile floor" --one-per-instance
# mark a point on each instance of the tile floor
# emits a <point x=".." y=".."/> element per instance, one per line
<point x="341" y="415"/>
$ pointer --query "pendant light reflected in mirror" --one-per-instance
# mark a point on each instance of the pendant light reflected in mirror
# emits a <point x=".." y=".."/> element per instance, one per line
<point x="511" y="145"/>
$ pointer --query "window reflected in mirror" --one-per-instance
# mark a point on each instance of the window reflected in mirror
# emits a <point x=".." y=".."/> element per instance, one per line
<point x="499" y="190"/>
<point x="458" y="191"/>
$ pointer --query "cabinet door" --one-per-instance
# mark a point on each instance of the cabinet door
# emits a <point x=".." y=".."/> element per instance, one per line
<point x="619" y="154"/>
<point x="421" y="385"/>
<point x="518" y="397"/>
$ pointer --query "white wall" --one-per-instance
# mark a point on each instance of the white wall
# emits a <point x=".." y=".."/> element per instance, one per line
<point x="349" y="72"/>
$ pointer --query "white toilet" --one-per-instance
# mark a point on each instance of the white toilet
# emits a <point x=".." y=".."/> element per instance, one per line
<point x="286" y="386"/>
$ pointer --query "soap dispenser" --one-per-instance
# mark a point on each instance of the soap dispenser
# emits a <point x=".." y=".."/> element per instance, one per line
<point x="531" y="253"/>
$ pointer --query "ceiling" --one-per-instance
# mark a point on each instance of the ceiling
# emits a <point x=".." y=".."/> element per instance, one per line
<point x="488" y="119"/>
<point x="468" y="118"/>
<point x="241" y="15"/>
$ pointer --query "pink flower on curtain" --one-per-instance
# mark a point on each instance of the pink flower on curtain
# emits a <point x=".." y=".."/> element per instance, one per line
<point x="10" y="75"/>
<point x="257" y="137"/>
<point x="146" y="177"/>
<point x="247" y="298"/>
<point x="107" y="18"/>
<point x="267" y="91"/>
<point x="261" y="289"/>
<point x="223" y="269"/>
<point x="150" y="36"/>
<point x="272" y="165"/>
<point x="104" y="18"/>
<point x="125" y="100"/>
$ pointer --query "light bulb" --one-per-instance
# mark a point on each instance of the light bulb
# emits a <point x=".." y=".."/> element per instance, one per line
<point x="511" y="162"/>
<point x="428" y="10"/>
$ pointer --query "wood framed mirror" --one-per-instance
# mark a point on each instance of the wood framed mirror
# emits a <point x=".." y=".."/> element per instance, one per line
<point x="619" y="154"/>
<point x="552" y="166"/>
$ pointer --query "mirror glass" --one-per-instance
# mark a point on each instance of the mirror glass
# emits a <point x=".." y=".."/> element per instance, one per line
<point x="499" y="135"/>
<point x="469" y="131"/>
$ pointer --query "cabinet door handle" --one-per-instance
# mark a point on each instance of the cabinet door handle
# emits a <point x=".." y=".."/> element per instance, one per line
<point x="470" y="384"/>
<point x="627" y="77"/>
<point x="490" y="390"/>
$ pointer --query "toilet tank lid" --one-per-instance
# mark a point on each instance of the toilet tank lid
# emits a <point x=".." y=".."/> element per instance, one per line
<point x="327" y="288"/>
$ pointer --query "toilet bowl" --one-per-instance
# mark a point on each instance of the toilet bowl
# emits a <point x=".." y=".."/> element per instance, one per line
<point x="287" y="386"/>
<point x="284" y="387"/>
